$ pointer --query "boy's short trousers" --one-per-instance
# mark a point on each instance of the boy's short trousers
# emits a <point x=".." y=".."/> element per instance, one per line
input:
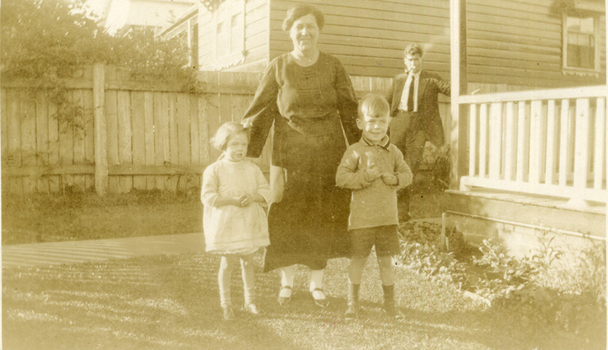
<point x="385" y="238"/>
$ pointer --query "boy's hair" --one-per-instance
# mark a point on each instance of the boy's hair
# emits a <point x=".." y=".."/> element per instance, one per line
<point x="413" y="49"/>
<point x="224" y="133"/>
<point x="374" y="106"/>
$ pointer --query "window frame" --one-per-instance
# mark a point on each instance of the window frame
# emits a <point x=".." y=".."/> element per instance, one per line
<point x="596" y="33"/>
<point x="231" y="9"/>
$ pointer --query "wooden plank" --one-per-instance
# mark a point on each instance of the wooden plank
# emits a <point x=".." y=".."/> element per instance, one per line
<point x="42" y="138"/>
<point x="78" y="100"/>
<point x="183" y="134"/>
<point x="511" y="142"/>
<point x="14" y="142"/>
<point x="472" y="139"/>
<point x="194" y="130"/>
<point x="213" y="121"/>
<point x="160" y="133"/>
<point x="523" y="144"/>
<point x="495" y="139"/>
<point x="483" y="139"/>
<point x="125" y="155"/>
<point x="600" y="144"/>
<point x="99" y="133"/>
<point x="581" y="146"/>
<point x="4" y="121"/>
<point x="563" y="142"/>
<point x="28" y="139"/>
<point x="89" y="137"/>
<point x="111" y="114"/>
<point x="53" y="125"/>
<point x="551" y="143"/>
<point x="149" y="136"/>
<point x="171" y="183"/>
<point x="203" y="116"/>
<point x="138" y="136"/>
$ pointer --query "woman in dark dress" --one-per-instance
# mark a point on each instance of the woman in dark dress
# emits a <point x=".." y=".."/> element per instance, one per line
<point x="309" y="98"/>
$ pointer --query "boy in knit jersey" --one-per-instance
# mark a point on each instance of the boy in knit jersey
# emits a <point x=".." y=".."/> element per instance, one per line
<point x="374" y="170"/>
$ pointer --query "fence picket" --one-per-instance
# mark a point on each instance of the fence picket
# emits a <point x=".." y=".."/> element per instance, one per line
<point x="523" y="128"/>
<point x="171" y="183"/>
<point x="483" y="139"/>
<point x="110" y="108"/>
<point x="510" y="142"/>
<point x="149" y="136"/>
<point x="28" y="139"/>
<point x="536" y="138"/>
<point x="551" y="143"/>
<point x="563" y="142"/>
<point x="42" y="139"/>
<point x="581" y="146"/>
<point x="138" y="136"/>
<point x="89" y="137"/>
<point x="54" y="180"/>
<point x="495" y="139"/>
<point x="472" y="139"/>
<point x="125" y="155"/>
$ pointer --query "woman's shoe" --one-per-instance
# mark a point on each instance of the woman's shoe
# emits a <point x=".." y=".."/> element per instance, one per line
<point x="322" y="300"/>
<point x="284" y="295"/>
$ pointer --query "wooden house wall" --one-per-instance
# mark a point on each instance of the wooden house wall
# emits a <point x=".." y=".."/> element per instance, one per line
<point x="205" y="42"/>
<point x="512" y="42"/>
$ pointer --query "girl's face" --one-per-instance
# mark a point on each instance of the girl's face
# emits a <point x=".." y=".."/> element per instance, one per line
<point x="304" y="33"/>
<point x="236" y="148"/>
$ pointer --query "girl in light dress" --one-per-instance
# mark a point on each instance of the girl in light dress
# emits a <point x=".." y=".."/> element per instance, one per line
<point x="234" y="192"/>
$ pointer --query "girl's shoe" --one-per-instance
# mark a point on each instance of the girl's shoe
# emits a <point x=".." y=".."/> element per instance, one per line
<point x="253" y="309"/>
<point x="284" y="295"/>
<point x="320" y="300"/>
<point x="352" y="310"/>
<point x="228" y="313"/>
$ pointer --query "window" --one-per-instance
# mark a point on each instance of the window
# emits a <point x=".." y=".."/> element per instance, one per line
<point x="229" y="33"/>
<point x="580" y="41"/>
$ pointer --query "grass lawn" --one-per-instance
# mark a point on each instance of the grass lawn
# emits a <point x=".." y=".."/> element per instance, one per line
<point x="172" y="302"/>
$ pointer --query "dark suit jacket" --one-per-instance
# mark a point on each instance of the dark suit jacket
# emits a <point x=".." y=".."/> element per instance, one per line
<point x="428" y="118"/>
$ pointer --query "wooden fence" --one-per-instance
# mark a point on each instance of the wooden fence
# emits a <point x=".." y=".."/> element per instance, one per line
<point x="131" y="135"/>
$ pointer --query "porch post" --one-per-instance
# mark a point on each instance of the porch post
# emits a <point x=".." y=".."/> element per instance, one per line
<point x="459" y="124"/>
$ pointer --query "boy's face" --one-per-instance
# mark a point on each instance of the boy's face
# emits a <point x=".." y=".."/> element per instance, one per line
<point x="374" y="127"/>
<point x="236" y="148"/>
<point x="413" y="62"/>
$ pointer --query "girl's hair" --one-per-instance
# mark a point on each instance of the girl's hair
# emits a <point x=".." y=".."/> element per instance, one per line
<point x="374" y="105"/>
<point x="300" y="11"/>
<point x="224" y="133"/>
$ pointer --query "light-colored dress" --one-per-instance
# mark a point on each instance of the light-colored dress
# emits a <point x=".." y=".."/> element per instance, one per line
<point x="230" y="229"/>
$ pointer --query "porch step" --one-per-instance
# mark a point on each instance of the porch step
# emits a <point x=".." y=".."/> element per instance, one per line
<point x="518" y="219"/>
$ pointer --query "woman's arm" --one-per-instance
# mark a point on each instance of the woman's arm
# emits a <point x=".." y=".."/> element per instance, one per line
<point x="262" y="110"/>
<point x="347" y="103"/>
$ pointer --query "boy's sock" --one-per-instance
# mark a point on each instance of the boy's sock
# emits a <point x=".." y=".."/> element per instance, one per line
<point x="389" y="302"/>
<point x="352" y="310"/>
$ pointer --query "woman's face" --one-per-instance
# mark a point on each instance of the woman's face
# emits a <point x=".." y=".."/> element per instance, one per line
<point x="304" y="33"/>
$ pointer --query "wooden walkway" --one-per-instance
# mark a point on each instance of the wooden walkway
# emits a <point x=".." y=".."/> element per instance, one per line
<point x="56" y="253"/>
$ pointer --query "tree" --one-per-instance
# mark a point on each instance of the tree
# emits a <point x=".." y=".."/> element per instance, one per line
<point x="49" y="39"/>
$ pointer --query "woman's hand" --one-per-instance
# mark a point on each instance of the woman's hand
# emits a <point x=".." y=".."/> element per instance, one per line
<point x="277" y="183"/>
<point x="246" y="200"/>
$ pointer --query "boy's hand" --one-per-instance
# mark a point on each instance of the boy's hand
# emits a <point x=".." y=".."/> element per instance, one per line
<point x="371" y="173"/>
<point x="390" y="179"/>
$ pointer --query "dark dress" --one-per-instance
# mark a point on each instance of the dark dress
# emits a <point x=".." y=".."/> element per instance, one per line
<point x="314" y="111"/>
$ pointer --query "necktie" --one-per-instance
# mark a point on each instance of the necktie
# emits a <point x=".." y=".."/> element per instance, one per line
<point x="410" y="97"/>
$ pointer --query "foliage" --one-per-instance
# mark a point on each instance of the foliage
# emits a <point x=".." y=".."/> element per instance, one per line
<point x="45" y="41"/>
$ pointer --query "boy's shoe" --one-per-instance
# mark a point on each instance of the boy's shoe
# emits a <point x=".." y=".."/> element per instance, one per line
<point x="253" y="309"/>
<point x="352" y="310"/>
<point x="228" y="313"/>
<point x="392" y="311"/>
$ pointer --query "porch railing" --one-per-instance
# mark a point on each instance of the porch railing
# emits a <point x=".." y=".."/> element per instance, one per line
<point x="546" y="142"/>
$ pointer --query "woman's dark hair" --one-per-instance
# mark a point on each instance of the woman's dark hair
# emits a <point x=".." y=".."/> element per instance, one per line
<point x="300" y="11"/>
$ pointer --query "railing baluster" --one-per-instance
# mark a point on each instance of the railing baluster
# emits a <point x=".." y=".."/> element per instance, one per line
<point x="563" y="143"/>
<point x="511" y="139"/>
<point x="495" y="139"/>
<point x="535" y="141"/>
<point x="472" y="139"/>
<point x="483" y="139"/>
<point x="598" y="161"/>
<point x="581" y="149"/>
<point x="551" y="143"/>
<point x="522" y="149"/>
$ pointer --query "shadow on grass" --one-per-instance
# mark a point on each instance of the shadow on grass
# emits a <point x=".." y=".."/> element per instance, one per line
<point x="172" y="302"/>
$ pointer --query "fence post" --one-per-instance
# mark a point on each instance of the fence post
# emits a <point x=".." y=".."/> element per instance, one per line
<point x="101" y="137"/>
